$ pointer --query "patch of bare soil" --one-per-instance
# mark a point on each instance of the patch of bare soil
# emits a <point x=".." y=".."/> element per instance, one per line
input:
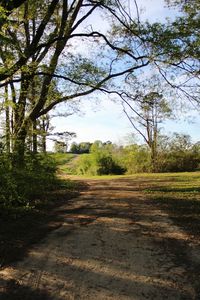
<point x="113" y="244"/>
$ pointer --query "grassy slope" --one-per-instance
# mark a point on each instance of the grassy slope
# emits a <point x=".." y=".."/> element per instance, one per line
<point x="64" y="161"/>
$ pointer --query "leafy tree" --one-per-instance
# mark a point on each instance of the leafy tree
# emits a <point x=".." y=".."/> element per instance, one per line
<point x="6" y="7"/>
<point x="39" y="44"/>
<point x="60" y="147"/>
<point x="146" y="110"/>
<point x="10" y="5"/>
<point x="136" y="159"/>
<point x="74" y="148"/>
<point x="83" y="147"/>
<point x="40" y="69"/>
<point x="179" y="154"/>
<point x="175" y="47"/>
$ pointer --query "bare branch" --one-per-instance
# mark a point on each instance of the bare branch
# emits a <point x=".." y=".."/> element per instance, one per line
<point x="137" y="129"/>
<point x="89" y="91"/>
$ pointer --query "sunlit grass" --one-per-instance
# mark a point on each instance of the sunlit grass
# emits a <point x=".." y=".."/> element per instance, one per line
<point x="62" y="158"/>
<point x="189" y="178"/>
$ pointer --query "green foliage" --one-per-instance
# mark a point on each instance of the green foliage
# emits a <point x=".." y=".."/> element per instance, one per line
<point x="85" y="165"/>
<point x="179" y="154"/>
<point x="175" y="154"/>
<point x="62" y="158"/>
<point x="8" y="184"/>
<point x="177" y="40"/>
<point x="60" y="147"/>
<point x="100" y="161"/>
<point x="136" y="159"/>
<point x="80" y="148"/>
<point x="21" y="187"/>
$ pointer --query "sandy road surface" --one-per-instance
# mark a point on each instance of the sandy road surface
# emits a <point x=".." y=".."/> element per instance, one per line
<point x="113" y="244"/>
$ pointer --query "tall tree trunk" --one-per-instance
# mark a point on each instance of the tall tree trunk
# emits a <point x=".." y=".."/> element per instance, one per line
<point x="44" y="145"/>
<point x="7" y="111"/>
<point x="154" y="156"/>
<point x="19" y="147"/>
<point x="12" y="118"/>
<point x="21" y="124"/>
<point x="34" y="137"/>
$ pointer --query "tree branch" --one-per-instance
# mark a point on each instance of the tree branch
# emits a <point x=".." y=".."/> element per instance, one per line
<point x="89" y="91"/>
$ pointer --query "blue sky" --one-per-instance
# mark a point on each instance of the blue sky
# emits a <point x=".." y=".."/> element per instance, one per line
<point x="108" y="122"/>
<point x="105" y="120"/>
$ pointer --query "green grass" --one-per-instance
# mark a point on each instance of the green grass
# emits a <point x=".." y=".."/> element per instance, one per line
<point x="175" y="184"/>
<point x="178" y="194"/>
<point x="64" y="162"/>
<point x="191" y="178"/>
<point x="62" y="158"/>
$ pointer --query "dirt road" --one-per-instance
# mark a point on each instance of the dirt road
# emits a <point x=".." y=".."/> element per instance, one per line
<point x="113" y="244"/>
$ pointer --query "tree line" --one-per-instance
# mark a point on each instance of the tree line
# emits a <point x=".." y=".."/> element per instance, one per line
<point x="175" y="153"/>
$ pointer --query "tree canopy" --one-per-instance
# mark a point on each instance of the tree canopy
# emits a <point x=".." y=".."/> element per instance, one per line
<point x="42" y="64"/>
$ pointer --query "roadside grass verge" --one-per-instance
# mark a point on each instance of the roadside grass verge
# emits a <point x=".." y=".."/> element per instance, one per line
<point x="179" y="195"/>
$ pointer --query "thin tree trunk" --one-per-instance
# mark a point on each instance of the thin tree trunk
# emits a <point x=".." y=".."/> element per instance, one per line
<point x="7" y="111"/>
<point x="44" y="146"/>
<point x="34" y="137"/>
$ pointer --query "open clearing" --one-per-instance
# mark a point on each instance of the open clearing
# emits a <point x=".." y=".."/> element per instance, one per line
<point x="123" y="238"/>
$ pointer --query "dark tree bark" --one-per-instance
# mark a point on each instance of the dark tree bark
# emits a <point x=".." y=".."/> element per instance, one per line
<point x="34" y="137"/>
<point x="19" y="147"/>
<point x="7" y="111"/>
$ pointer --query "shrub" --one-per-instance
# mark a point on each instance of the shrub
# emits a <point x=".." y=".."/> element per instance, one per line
<point x="8" y="184"/>
<point x="100" y="163"/>
<point x="107" y="165"/>
<point x="21" y="187"/>
<point x="85" y="165"/>
<point x="179" y="161"/>
<point x="136" y="159"/>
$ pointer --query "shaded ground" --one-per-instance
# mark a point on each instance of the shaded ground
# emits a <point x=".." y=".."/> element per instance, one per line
<point x="19" y="231"/>
<point x="114" y="243"/>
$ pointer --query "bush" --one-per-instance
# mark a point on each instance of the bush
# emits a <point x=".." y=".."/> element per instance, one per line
<point x="136" y="159"/>
<point x="8" y="184"/>
<point x="21" y="187"/>
<point x="178" y="154"/>
<point x="85" y="165"/>
<point x="179" y="161"/>
<point x="106" y="166"/>
<point x="100" y="163"/>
